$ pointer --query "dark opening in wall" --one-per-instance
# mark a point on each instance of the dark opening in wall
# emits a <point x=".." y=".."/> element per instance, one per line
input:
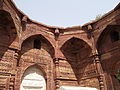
<point x="117" y="76"/>
<point x="37" y="44"/>
<point x="115" y="36"/>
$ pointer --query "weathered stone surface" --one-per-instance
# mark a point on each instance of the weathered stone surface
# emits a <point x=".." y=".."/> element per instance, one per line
<point x="86" y="56"/>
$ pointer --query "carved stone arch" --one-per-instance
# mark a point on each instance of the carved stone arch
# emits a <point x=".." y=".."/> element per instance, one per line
<point x="13" y="19"/>
<point x="101" y="37"/>
<point x="49" y="39"/>
<point x="76" y="40"/>
<point x="8" y="19"/>
<point x="44" y="40"/>
<point x="36" y="65"/>
<point x="81" y="38"/>
<point x="109" y="53"/>
<point x="76" y="53"/>
<point x="15" y="16"/>
<point x="35" y="70"/>
<point x="43" y="56"/>
<point x="8" y="31"/>
<point x="105" y="35"/>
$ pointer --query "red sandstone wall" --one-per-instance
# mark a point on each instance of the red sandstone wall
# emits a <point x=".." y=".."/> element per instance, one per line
<point x="68" y="57"/>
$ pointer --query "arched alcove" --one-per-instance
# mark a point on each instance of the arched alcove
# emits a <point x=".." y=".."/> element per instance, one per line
<point x="37" y="50"/>
<point x="108" y="39"/>
<point x="33" y="79"/>
<point x="76" y="53"/>
<point x="7" y="28"/>
<point x="108" y="47"/>
<point x="37" y="42"/>
<point x="8" y="32"/>
<point x="8" y="40"/>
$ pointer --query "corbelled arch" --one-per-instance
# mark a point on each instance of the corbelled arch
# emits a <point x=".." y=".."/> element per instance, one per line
<point x="107" y="46"/>
<point x="106" y="34"/>
<point x="76" y="44"/>
<point x="43" y="56"/>
<point x="9" y="43"/>
<point x="101" y="37"/>
<point x="76" y="52"/>
<point x="8" y="25"/>
<point x="13" y="19"/>
<point x="8" y="32"/>
<point x="43" y="39"/>
<point x="37" y="33"/>
<point x="85" y="39"/>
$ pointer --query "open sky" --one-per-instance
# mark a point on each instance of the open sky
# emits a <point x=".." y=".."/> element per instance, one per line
<point x="64" y="13"/>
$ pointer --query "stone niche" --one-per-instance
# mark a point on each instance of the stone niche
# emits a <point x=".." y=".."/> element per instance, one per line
<point x="33" y="79"/>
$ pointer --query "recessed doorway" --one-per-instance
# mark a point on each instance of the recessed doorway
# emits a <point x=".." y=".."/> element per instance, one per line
<point x="33" y="79"/>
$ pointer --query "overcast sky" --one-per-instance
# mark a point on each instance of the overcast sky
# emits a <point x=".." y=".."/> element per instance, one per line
<point x="64" y="13"/>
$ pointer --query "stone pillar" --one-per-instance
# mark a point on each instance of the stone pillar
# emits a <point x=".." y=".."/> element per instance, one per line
<point x="100" y="72"/>
<point x="16" y="56"/>
<point x="56" y="60"/>
<point x="17" y="72"/>
<point x="57" y="74"/>
<point x="96" y="57"/>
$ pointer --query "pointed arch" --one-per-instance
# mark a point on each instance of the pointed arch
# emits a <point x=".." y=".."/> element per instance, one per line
<point x="33" y="78"/>
<point x="50" y="48"/>
<point x="75" y="44"/>
<point x="8" y="20"/>
<point x="43" y="34"/>
<point x="108" y="36"/>
<point x="77" y="37"/>
<point x="76" y="52"/>
<point x="8" y="32"/>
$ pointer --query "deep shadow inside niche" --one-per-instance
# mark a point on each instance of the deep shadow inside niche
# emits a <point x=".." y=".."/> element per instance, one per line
<point x="115" y="35"/>
<point x="109" y="36"/>
<point x="8" y="31"/>
<point x="76" y="52"/>
<point x="37" y="44"/>
<point x="108" y="43"/>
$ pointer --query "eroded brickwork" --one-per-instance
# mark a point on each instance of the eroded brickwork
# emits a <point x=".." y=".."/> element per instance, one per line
<point x="85" y="56"/>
